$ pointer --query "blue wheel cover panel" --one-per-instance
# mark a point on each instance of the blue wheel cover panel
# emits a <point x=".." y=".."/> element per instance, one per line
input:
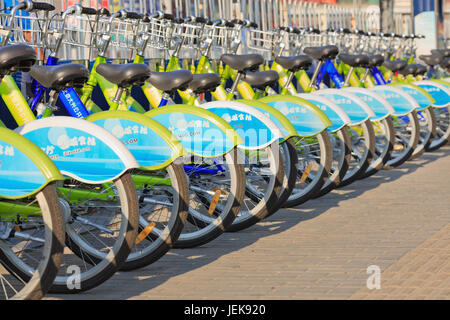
<point x="146" y="146"/>
<point x="196" y="134"/>
<point x="354" y="111"/>
<point x="377" y="106"/>
<point x="304" y="121"/>
<point x="19" y="176"/>
<point x="284" y="131"/>
<point x="400" y="104"/>
<point x="252" y="130"/>
<point x="441" y="96"/>
<point x="76" y="152"/>
<point x="421" y="99"/>
<point x="331" y="114"/>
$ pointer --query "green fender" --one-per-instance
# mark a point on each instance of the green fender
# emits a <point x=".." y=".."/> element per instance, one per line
<point x="25" y="169"/>
<point x="283" y="123"/>
<point x="200" y="131"/>
<point x="307" y="119"/>
<point x="154" y="148"/>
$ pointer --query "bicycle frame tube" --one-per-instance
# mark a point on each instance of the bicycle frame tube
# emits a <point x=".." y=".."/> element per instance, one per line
<point x="15" y="101"/>
<point x="378" y="75"/>
<point x="330" y="69"/>
<point x="353" y="80"/>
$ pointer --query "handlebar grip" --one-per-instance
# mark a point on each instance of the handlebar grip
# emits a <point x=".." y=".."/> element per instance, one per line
<point x="43" y="6"/>
<point x="237" y="21"/>
<point x="103" y="12"/>
<point x="168" y="16"/>
<point x="88" y="11"/>
<point x="178" y="20"/>
<point x="229" y="24"/>
<point x="201" y="20"/>
<point x="132" y="15"/>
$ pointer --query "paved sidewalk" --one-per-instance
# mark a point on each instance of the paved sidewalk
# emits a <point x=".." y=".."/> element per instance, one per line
<point x="398" y="220"/>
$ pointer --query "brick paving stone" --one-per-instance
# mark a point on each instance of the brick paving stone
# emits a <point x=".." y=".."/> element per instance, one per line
<point x="398" y="220"/>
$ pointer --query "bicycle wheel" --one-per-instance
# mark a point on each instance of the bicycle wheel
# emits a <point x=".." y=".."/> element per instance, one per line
<point x="216" y="192"/>
<point x="407" y="130"/>
<point x="441" y="138"/>
<point x="342" y="148"/>
<point x="31" y="252"/>
<point x="163" y="203"/>
<point x="101" y="227"/>
<point x="384" y="143"/>
<point x="315" y="156"/>
<point x="427" y="124"/>
<point x="363" y="147"/>
<point x="290" y="168"/>
<point x="263" y="182"/>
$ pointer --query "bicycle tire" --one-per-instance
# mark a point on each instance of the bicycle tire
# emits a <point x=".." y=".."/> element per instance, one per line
<point x="102" y="262"/>
<point x="427" y="123"/>
<point x="409" y="134"/>
<point x="382" y="154"/>
<point x="38" y="281"/>
<point x="342" y="163"/>
<point x="442" y="116"/>
<point x="256" y="208"/>
<point x="365" y="157"/>
<point x="166" y="223"/>
<point x="202" y="226"/>
<point x="290" y="166"/>
<point x="320" y="177"/>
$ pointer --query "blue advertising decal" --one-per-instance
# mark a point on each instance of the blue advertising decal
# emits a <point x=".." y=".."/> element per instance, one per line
<point x="304" y="120"/>
<point x="19" y="176"/>
<point x="253" y="131"/>
<point x="147" y="147"/>
<point x="440" y="94"/>
<point x="197" y="134"/>
<point x="377" y="106"/>
<point x="334" y="117"/>
<point x="355" y="112"/>
<point x="421" y="99"/>
<point x="77" y="153"/>
<point x="401" y="104"/>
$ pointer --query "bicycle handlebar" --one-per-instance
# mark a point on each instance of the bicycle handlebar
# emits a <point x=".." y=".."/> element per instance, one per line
<point x="88" y="11"/>
<point x="41" y="6"/>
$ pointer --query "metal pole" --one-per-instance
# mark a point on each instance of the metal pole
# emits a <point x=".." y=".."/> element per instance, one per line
<point x="387" y="15"/>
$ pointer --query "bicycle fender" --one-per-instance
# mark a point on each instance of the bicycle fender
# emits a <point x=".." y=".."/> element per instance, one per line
<point x="24" y="168"/>
<point x="423" y="98"/>
<point x="151" y="144"/>
<point x="286" y="128"/>
<point x="357" y="110"/>
<point x="307" y="119"/>
<point x="255" y="129"/>
<point x="334" y="112"/>
<point x="200" y="131"/>
<point x="376" y="102"/>
<point x="80" y="149"/>
<point x="402" y="102"/>
<point x="439" y="91"/>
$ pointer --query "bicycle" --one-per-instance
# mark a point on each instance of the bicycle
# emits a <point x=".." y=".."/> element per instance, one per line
<point x="80" y="150"/>
<point x="31" y="219"/>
